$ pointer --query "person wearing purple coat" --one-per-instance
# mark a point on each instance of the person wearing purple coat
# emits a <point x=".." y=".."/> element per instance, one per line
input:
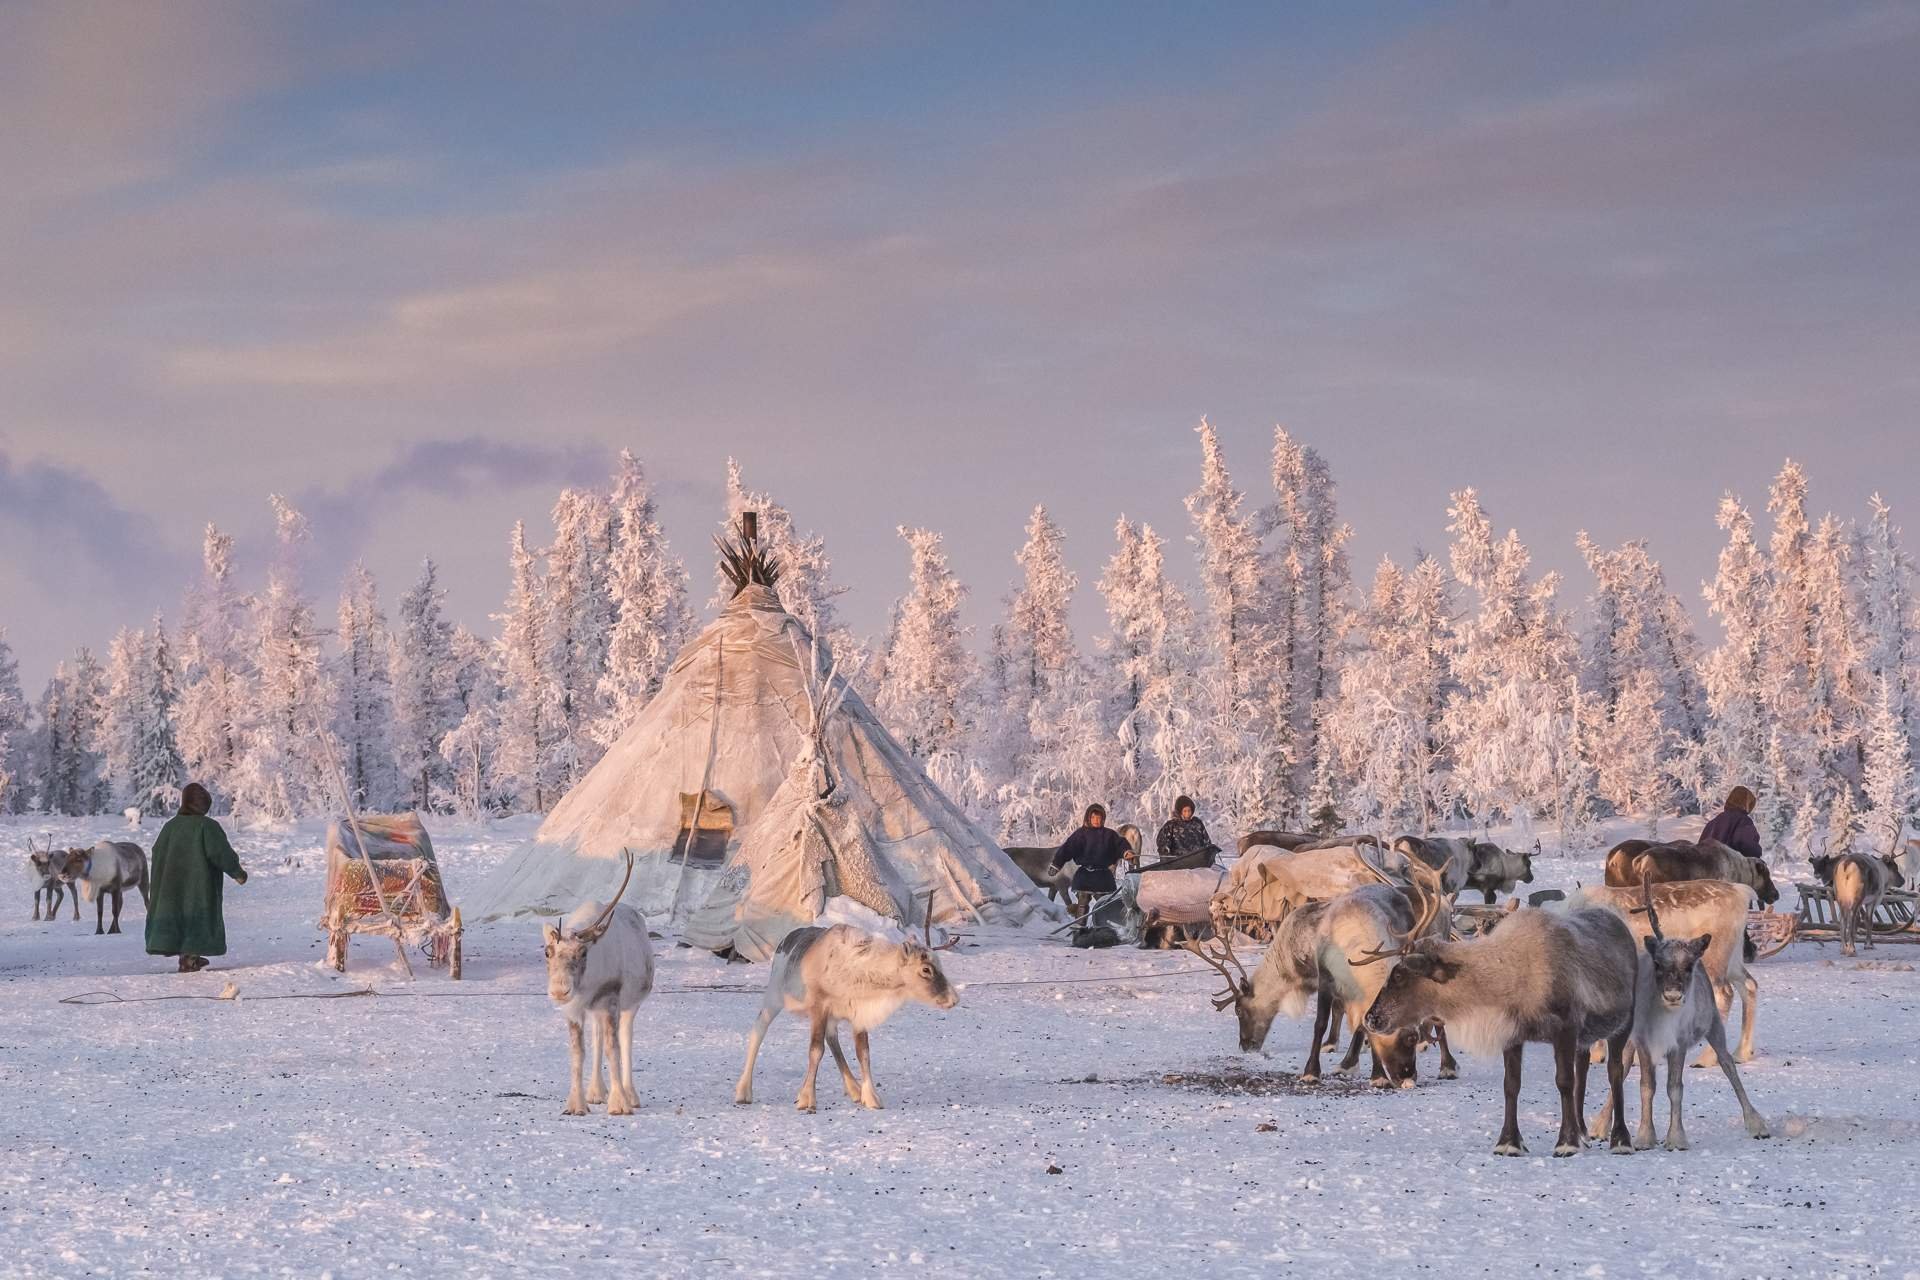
<point x="1733" y="825"/>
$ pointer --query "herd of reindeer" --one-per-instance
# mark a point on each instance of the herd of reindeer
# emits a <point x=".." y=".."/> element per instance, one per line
<point x="1640" y="970"/>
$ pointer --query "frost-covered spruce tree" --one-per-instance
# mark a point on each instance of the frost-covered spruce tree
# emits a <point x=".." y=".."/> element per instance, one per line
<point x="363" y="694"/>
<point x="1627" y="743"/>
<point x="647" y="585"/>
<point x="122" y="713"/>
<point x="925" y="686"/>
<point x="576" y="623"/>
<point x="1311" y="583"/>
<point x="1386" y="726"/>
<point x="1739" y="597"/>
<point x="1892" y="622"/>
<point x="68" y="750"/>
<point x="141" y="757"/>
<point x="1037" y="688"/>
<point x="806" y="589"/>
<point x="526" y="730"/>
<point x="216" y="671"/>
<point x="1228" y="541"/>
<point x="1838" y="696"/>
<point x="13" y="732"/>
<point x="424" y="709"/>
<point x="1637" y="624"/>
<point x="1147" y="675"/>
<point x="470" y="748"/>
<point x="282" y="772"/>
<point x="1889" y="779"/>
<point x="1787" y="674"/>
<point x="1508" y="718"/>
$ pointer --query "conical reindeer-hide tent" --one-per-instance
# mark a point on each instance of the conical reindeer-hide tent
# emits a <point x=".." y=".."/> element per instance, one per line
<point x="753" y="787"/>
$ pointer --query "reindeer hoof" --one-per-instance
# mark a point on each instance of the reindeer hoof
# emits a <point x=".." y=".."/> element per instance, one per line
<point x="573" y="1109"/>
<point x="596" y="1095"/>
<point x="115" y="929"/>
<point x="1760" y="1130"/>
<point x="1562" y="1150"/>
<point x="871" y="1102"/>
<point x="1449" y="1071"/>
<point x="1309" y="1077"/>
<point x="1510" y="1149"/>
<point x="804" y="1103"/>
<point x="1408" y="1083"/>
<point x="1679" y="1144"/>
<point x="1620" y="1147"/>
<point x="619" y="1107"/>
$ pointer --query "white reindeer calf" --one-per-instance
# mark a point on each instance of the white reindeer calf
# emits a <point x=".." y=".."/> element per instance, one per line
<point x="598" y="975"/>
<point x="843" y="975"/>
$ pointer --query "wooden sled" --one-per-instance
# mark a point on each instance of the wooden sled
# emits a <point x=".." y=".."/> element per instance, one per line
<point x="1818" y="919"/>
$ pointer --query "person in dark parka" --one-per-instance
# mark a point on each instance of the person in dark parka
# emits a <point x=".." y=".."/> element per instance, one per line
<point x="1733" y="825"/>
<point x="189" y="857"/>
<point x="1096" y="849"/>
<point x="1185" y="836"/>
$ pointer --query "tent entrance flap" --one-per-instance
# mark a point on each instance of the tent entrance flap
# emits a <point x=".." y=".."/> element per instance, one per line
<point x="706" y="828"/>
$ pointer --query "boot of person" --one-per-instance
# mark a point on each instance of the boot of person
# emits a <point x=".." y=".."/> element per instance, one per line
<point x="192" y="963"/>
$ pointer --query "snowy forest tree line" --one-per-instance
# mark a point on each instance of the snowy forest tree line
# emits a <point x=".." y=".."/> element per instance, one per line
<point x="1279" y="693"/>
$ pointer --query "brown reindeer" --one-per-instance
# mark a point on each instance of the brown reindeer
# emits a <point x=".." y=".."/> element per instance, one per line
<point x="1541" y="978"/>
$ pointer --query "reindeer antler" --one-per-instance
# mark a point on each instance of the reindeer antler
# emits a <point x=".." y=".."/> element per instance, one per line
<point x="1426" y="885"/>
<point x="1646" y="892"/>
<point x="1215" y="958"/>
<point x="593" y="931"/>
<point x="927" y="927"/>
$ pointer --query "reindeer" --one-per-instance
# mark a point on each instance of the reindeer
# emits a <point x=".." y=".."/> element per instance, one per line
<point x="1310" y="955"/>
<point x="110" y="867"/>
<point x="45" y="868"/>
<point x="1711" y="907"/>
<point x="1708" y="860"/>
<point x="843" y="975"/>
<point x="600" y="973"/>
<point x="1673" y="1010"/>
<point x="1859" y="883"/>
<point x="1541" y="977"/>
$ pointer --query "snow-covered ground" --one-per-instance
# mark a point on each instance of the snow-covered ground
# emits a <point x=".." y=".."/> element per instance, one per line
<point x="1036" y="1130"/>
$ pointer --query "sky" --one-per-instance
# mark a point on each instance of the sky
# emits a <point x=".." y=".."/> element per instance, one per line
<point x="418" y="268"/>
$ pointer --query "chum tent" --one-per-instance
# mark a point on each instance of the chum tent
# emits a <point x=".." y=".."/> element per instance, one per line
<point x="755" y="786"/>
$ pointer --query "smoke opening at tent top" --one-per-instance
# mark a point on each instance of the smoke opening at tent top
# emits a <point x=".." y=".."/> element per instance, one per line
<point x="744" y="560"/>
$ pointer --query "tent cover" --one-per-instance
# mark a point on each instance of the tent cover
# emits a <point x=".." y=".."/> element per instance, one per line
<point x="755" y="786"/>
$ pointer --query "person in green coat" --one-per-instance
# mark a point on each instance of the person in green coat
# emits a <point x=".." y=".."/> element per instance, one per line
<point x="189" y="858"/>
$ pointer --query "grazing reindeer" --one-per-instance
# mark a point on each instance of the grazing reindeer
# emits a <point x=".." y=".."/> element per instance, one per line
<point x="1693" y="907"/>
<point x="1858" y="883"/>
<point x="1310" y="956"/>
<point x="1541" y="978"/>
<point x="110" y="867"/>
<point x="844" y="975"/>
<point x="1673" y="1010"/>
<point x="601" y="972"/>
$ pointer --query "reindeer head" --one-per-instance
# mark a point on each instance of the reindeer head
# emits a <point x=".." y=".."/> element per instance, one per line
<point x="567" y="953"/>
<point x="925" y="980"/>
<point x="72" y="865"/>
<point x="1892" y="864"/>
<point x="1254" y="1022"/>
<point x="1763" y="882"/>
<point x="1407" y="998"/>
<point x="1673" y="961"/>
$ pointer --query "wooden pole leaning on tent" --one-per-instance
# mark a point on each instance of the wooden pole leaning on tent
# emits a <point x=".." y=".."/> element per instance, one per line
<point x="373" y="875"/>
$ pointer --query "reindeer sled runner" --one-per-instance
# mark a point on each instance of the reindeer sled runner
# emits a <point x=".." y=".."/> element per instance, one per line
<point x="387" y="882"/>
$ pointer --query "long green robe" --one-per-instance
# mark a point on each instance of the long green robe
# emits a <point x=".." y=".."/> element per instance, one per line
<point x="189" y="857"/>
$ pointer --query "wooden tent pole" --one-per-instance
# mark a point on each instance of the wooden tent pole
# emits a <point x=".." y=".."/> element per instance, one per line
<point x="373" y="876"/>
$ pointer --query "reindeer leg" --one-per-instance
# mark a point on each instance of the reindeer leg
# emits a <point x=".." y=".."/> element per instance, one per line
<point x="1581" y="1063"/>
<point x="1352" y="1057"/>
<point x="1509" y="1143"/>
<point x="74" y="895"/>
<point x="1337" y="1014"/>
<point x="1322" y="1012"/>
<point x="99" y="913"/>
<point x="1756" y="1123"/>
<point x="868" y="1098"/>
<point x="1676" y="1091"/>
<point x="1643" y="1135"/>
<point x="816" y="1049"/>
<point x="576" y="1047"/>
<point x="743" y="1091"/>
<point x="118" y="894"/>
<point x="1378" y="1077"/>
<point x="596" y="1071"/>
<point x="625" y="1060"/>
<point x="1619" y="1058"/>
<point x="847" y="1081"/>
<point x="1449" y="1069"/>
<point x="1566" y="1047"/>
<point x="1723" y="1001"/>
<point x="1749" y="1001"/>
<point x="619" y="1101"/>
